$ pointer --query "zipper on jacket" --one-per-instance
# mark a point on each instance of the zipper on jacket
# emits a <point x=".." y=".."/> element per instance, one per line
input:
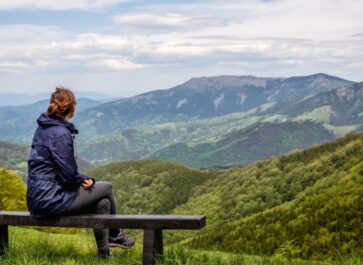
<point x="74" y="145"/>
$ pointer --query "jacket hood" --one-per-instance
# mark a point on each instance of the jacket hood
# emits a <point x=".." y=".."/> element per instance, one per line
<point x="48" y="121"/>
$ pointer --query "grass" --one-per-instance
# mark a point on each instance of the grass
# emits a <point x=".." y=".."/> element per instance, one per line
<point x="321" y="114"/>
<point x="340" y="131"/>
<point x="30" y="247"/>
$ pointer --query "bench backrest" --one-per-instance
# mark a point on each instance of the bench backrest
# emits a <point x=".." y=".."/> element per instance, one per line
<point x="152" y="222"/>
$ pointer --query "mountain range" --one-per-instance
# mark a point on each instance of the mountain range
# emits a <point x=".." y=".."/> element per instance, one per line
<point x="19" y="99"/>
<point x="19" y="122"/>
<point x="281" y="128"/>
<point x="204" y="97"/>
<point x="206" y="119"/>
<point x="203" y="142"/>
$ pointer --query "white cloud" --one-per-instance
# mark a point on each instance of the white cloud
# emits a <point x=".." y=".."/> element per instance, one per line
<point x="57" y="4"/>
<point x="120" y="64"/>
<point x="149" y="22"/>
<point x="50" y="53"/>
<point x="12" y="67"/>
<point x="99" y="52"/>
<point x="311" y="19"/>
<point x="289" y="37"/>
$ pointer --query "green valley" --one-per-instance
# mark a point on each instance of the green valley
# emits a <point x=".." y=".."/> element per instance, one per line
<point x="309" y="201"/>
<point x="241" y="147"/>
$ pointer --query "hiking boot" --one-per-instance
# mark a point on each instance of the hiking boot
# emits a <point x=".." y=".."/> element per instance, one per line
<point x="121" y="241"/>
<point x="104" y="253"/>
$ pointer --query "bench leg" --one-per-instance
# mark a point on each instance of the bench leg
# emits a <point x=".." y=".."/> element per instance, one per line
<point x="4" y="239"/>
<point x="159" y="251"/>
<point x="153" y="245"/>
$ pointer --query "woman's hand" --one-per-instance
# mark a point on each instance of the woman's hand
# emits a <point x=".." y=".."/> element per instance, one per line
<point x="87" y="183"/>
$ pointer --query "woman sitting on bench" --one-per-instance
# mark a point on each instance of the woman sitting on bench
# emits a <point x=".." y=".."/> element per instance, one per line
<point x="55" y="187"/>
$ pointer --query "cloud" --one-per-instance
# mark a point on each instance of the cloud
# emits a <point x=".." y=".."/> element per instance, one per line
<point x="252" y="37"/>
<point x="312" y="19"/>
<point x="101" y="52"/>
<point x="357" y="35"/>
<point x="49" y="53"/>
<point x="149" y="22"/>
<point x="58" y="4"/>
<point x="120" y="64"/>
<point x="12" y="67"/>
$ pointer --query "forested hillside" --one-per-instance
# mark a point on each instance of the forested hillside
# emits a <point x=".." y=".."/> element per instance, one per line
<point x="308" y="202"/>
<point x="12" y="191"/>
<point x="241" y="147"/>
<point x="150" y="186"/>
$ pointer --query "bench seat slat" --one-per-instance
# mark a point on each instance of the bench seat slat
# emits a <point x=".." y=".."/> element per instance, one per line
<point x="107" y="221"/>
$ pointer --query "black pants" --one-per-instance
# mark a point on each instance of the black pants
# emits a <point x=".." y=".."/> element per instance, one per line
<point x="99" y="199"/>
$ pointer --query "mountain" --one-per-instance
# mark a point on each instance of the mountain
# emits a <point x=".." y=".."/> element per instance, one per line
<point x="19" y="122"/>
<point x="145" y="127"/>
<point x="342" y="106"/>
<point x="203" y="97"/>
<point x="136" y="143"/>
<point x="199" y="142"/>
<point x="13" y="156"/>
<point x="335" y="112"/>
<point x="308" y="203"/>
<point x="14" y="99"/>
<point x="240" y="147"/>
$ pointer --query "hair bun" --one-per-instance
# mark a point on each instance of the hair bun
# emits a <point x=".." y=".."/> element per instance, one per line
<point x="62" y="102"/>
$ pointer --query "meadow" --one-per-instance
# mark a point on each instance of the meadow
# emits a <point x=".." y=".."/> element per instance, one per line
<point x="31" y="247"/>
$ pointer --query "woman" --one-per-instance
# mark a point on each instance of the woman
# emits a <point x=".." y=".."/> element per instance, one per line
<point x="55" y="186"/>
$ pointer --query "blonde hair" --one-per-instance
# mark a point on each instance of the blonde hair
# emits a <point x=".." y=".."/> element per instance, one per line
<point x="62" y="102"/>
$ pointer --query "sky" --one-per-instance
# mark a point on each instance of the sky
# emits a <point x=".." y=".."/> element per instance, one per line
<point x="127" y="47"/>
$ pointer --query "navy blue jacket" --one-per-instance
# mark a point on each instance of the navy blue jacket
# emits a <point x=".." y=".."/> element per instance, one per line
<point x="53" y="177"/>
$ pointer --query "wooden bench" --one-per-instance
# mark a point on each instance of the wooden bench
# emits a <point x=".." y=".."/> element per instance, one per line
<point x="153" y="225"/>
